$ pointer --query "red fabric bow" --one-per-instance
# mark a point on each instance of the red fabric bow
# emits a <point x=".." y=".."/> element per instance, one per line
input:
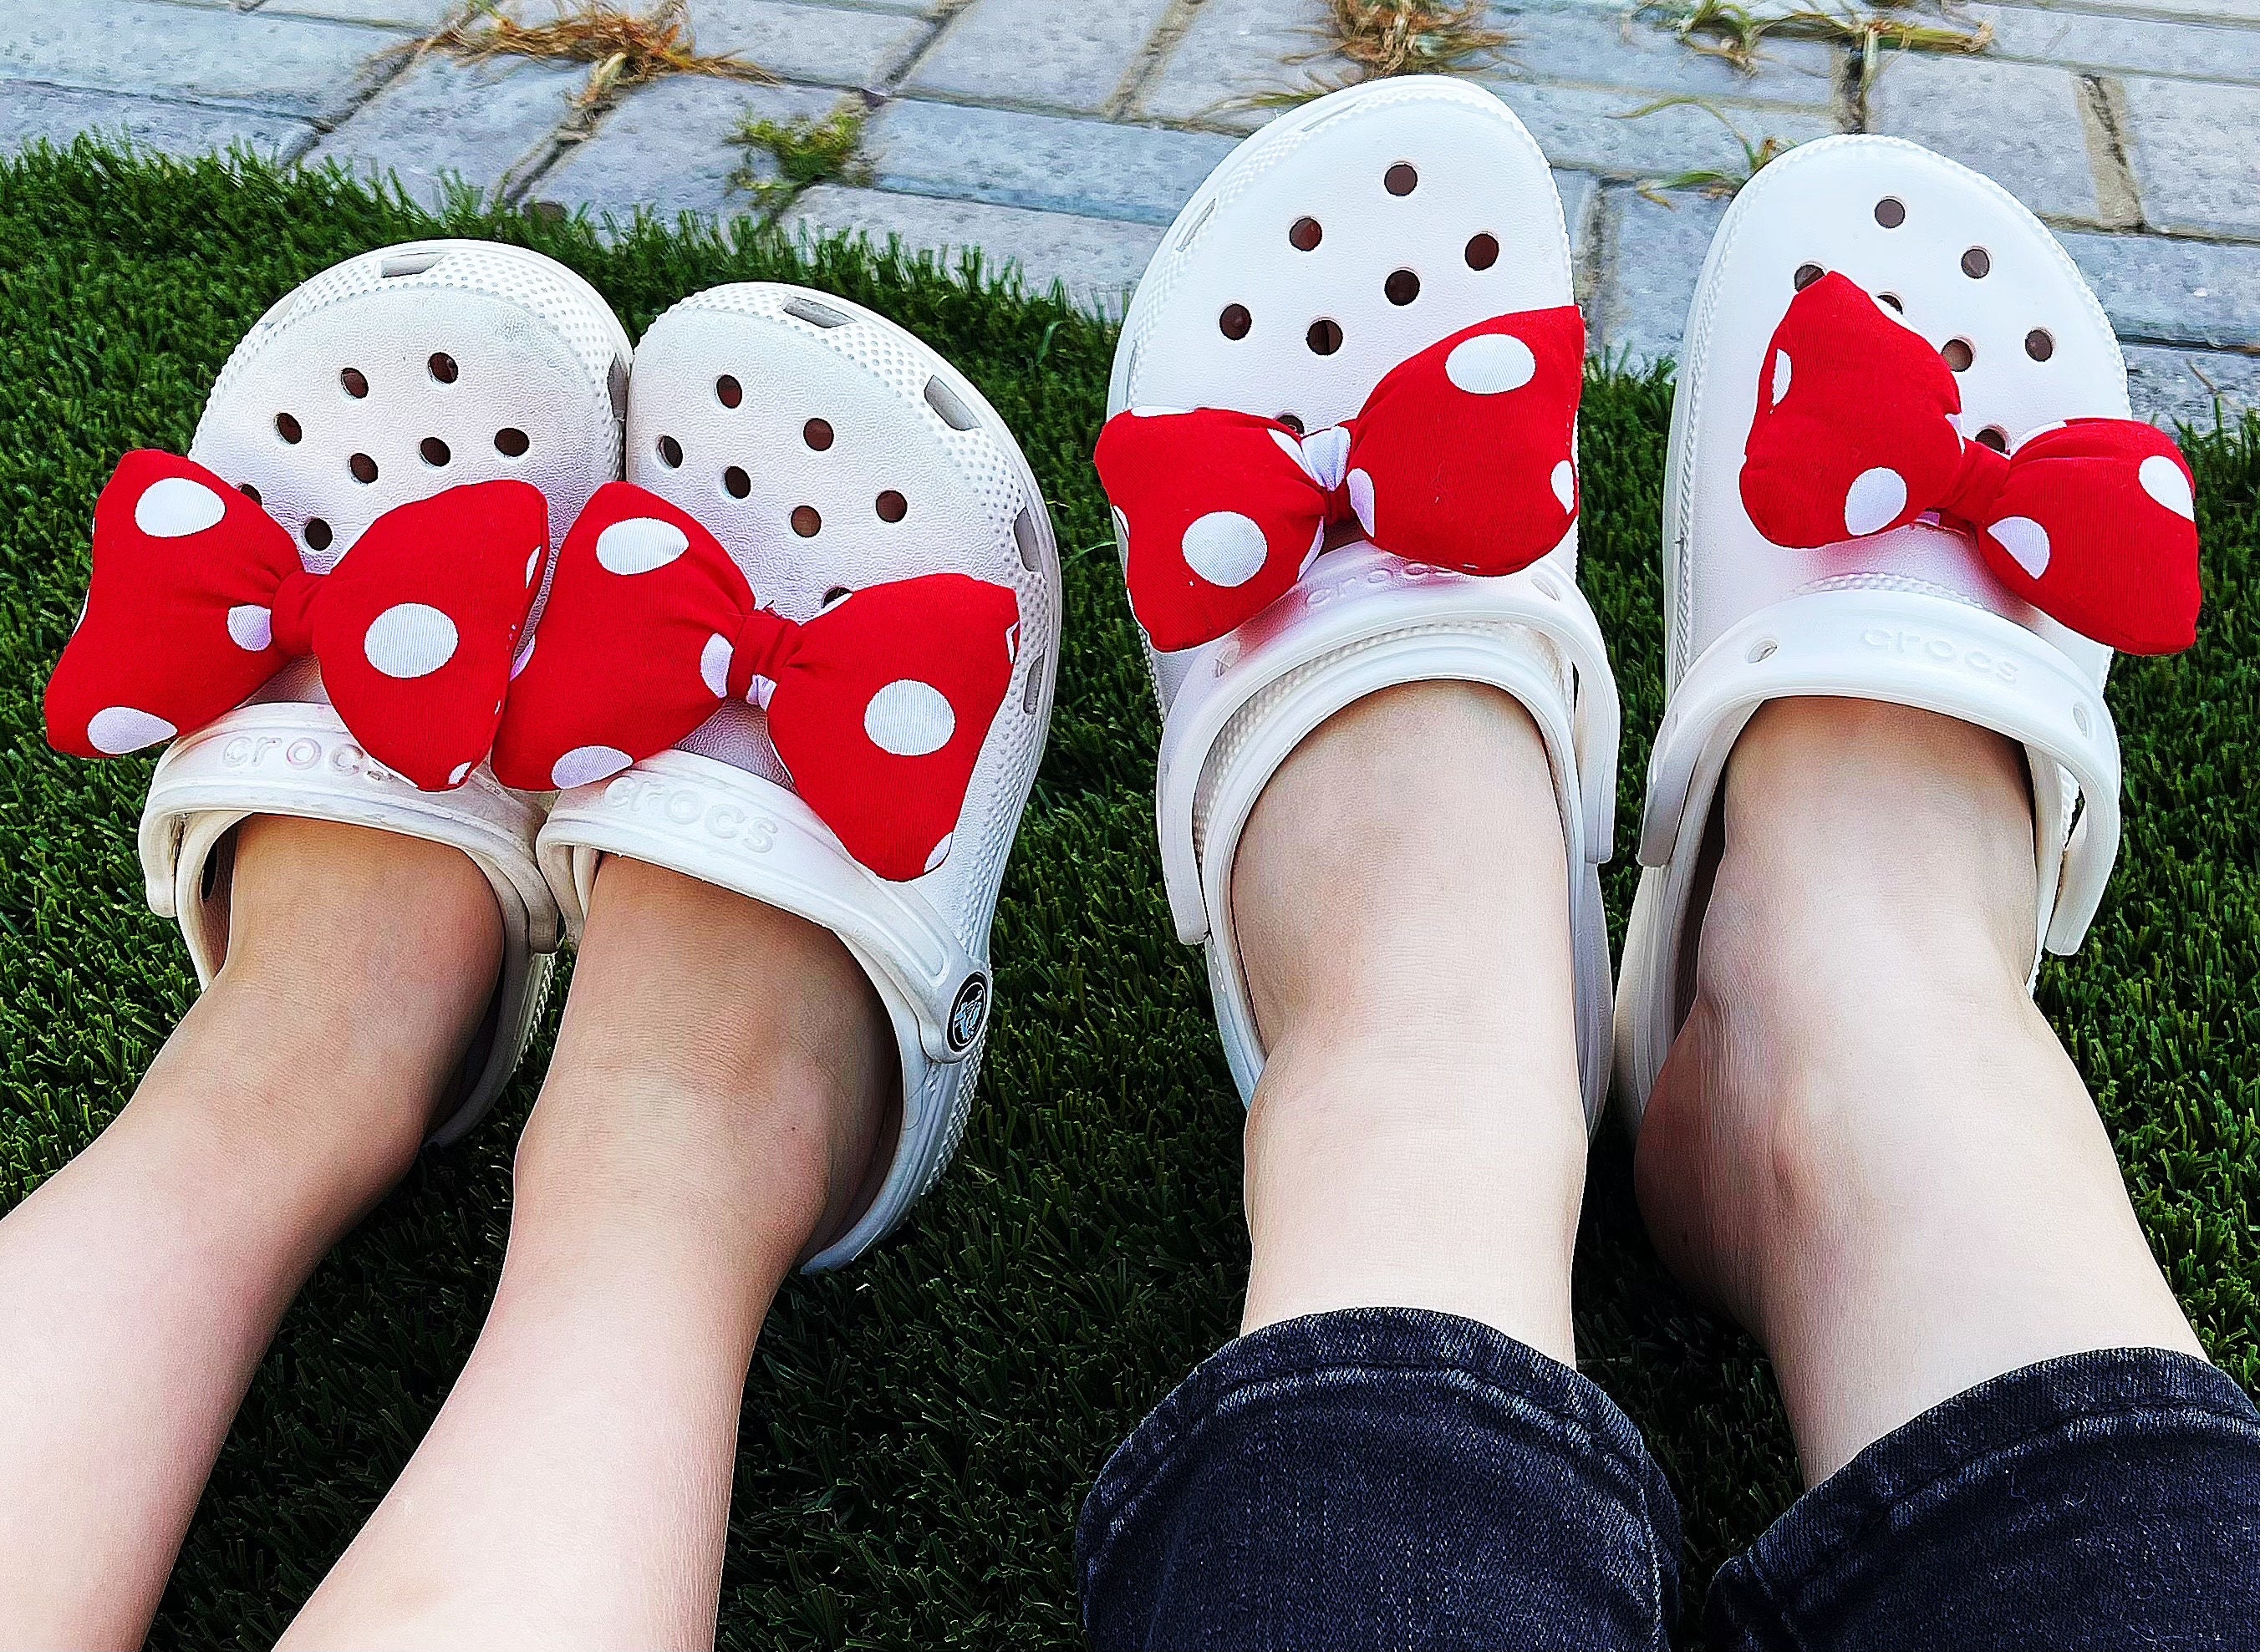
<point x="1463" y="457"/>
<point x="877" y="707"/>
<point x="2091" y="521"/>
<point x="198" y="597"/>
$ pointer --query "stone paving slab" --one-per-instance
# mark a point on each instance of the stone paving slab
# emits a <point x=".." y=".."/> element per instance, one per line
<point x="1234" y="51"/>
<point x="1590" y="130"/>
<point x="1598" y="44"/>
<point x="2167" y="388"/>
<point x="2020" y="124"/>
<point x="1039" y="52"/>
<point x="814" y="43"/>
<point x="1138" y="173"/>
<point x="2195" y="148"/>
<point x="30" y="111"/>
<point x="2157" y="291"/>
<point x="480" y="123"/>
<point x="1652" y="254"/>
<point x="666" y="147"/>
<point x="423" y="15"/>
<point x="1098" y="263"/>
<point x="2090" y="40"/>
<point x="308" y="68"/>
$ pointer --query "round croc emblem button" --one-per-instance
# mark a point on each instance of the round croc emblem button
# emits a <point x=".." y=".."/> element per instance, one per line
<point x="968" y="1013"/>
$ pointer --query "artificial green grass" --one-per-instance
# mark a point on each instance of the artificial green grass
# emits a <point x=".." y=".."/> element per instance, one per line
<point x="920" y="1431"/>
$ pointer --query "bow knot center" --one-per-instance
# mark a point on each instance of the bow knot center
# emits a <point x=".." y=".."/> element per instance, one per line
<point x="764" y="645"/>
<point x="293" y="612"/>
<point x="1976" y="484"/>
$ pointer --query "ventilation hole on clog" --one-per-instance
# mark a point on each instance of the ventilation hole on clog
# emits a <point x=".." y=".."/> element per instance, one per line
<point x="1034" y="691"/>
<point x="318" y="533"/>
<point x="1305" y="234"/>
<point x="434" y="451"/>
<point x="407" y="264"/>
<point x="1892" y="300"/>
<point x="737" y="482"/>
<point x="728" y="391"/>
<point x="1958" y="354"/>
<point x="2079" y="718"/>
<point x="1401" y="179"/>
<point x="1977" y="264"/>
<point x="838" y="593"/>
<point x="670" y="453"/>
<point x="443" y="367"/>
<point x="947" y="402"/>
<point x="363" y="468"/>
<point x="1325" y="337"/>
<point x="510" y="442"/>
<point x="892" y="507"/>
<point x="287" y="428"/>
<point x="1482" y="251"/>
<point x="1890" y="211"/>
<point x="1402" y="286"/>
<point x="817" y="435"/>
<point x="1994" y="437"/>
<point x="1234" y="321"/>
<point x="805" y="522"/>
<point x="1806" y="275"/>
<point x="1291" y="423"/>
<point x="1764" y="650"/>
<point x="815" y="314"/>
<point x="355" y="381"/>
<point x="2039" y="344"/>
<point x="1024" y="534"/>
<point x="248" y="492"/>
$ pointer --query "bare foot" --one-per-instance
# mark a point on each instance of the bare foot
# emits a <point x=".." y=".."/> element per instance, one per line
<point x="1867" y="1144"/>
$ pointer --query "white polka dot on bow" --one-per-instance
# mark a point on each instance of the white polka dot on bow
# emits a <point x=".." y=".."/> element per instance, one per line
<point x="116" y="730"/>
<point x="909" y="719"/>
<point x="174" y="507"/>
<point x="410" y="640"/>
<point x="640" y="544"/>
<point x="585" y="763"/>
<point x="1490" y="364"/>
<point x="2168" y="484"/>
<point x="1875" y="498"/>
<point x="2025" y="540"/>
<point x="1225" y="548"/>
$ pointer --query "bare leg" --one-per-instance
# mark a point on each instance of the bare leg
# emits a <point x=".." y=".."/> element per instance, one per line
<point x="1868" y="1144"/>
<point x="1417" y="1140"/>
<point x="141" y="1283"/>
<point x="714" y="1100"/>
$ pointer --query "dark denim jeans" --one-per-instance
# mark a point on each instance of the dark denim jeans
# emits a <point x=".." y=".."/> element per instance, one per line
<point x="1385" y="1477"/>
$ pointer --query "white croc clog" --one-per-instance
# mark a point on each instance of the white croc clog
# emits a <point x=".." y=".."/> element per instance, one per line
<point x="1911" y="615"/>
<point x="1329" y="247"/>
<point x="386" y="379"/>
<point x="829" y="453"/>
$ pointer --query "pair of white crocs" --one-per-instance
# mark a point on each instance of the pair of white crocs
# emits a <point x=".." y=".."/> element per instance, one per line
<point x="1378" y="223"/>
<point x="825" y="448"/>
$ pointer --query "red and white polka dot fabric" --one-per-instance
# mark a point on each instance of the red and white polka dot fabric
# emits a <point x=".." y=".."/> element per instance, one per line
<point x="198" y="597"/>
<point x="877" y="706"/>
<point x="2092" y="521"/>
<point x="1463" y="457"/>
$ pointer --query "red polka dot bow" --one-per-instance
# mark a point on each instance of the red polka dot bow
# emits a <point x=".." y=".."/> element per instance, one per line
<point x="877" y="706"/>
<point x="1461" y="457"/>
<point x="2091" y="521"/>
<point x="198" y="597"/>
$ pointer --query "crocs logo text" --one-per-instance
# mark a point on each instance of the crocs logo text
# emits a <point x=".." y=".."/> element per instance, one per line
<point x="1390" y="573"/>
<point x="306" y="754"/>
<point x="1886" y="640"/>
<point x="724" y="821"/>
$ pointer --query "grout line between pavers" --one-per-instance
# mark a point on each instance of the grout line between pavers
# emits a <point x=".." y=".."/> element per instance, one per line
<point x="2102" y="123"/>
<point x="1146" y="62"/>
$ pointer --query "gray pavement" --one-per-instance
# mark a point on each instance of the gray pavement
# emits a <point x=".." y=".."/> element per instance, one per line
<point x="1061" y="135"/>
